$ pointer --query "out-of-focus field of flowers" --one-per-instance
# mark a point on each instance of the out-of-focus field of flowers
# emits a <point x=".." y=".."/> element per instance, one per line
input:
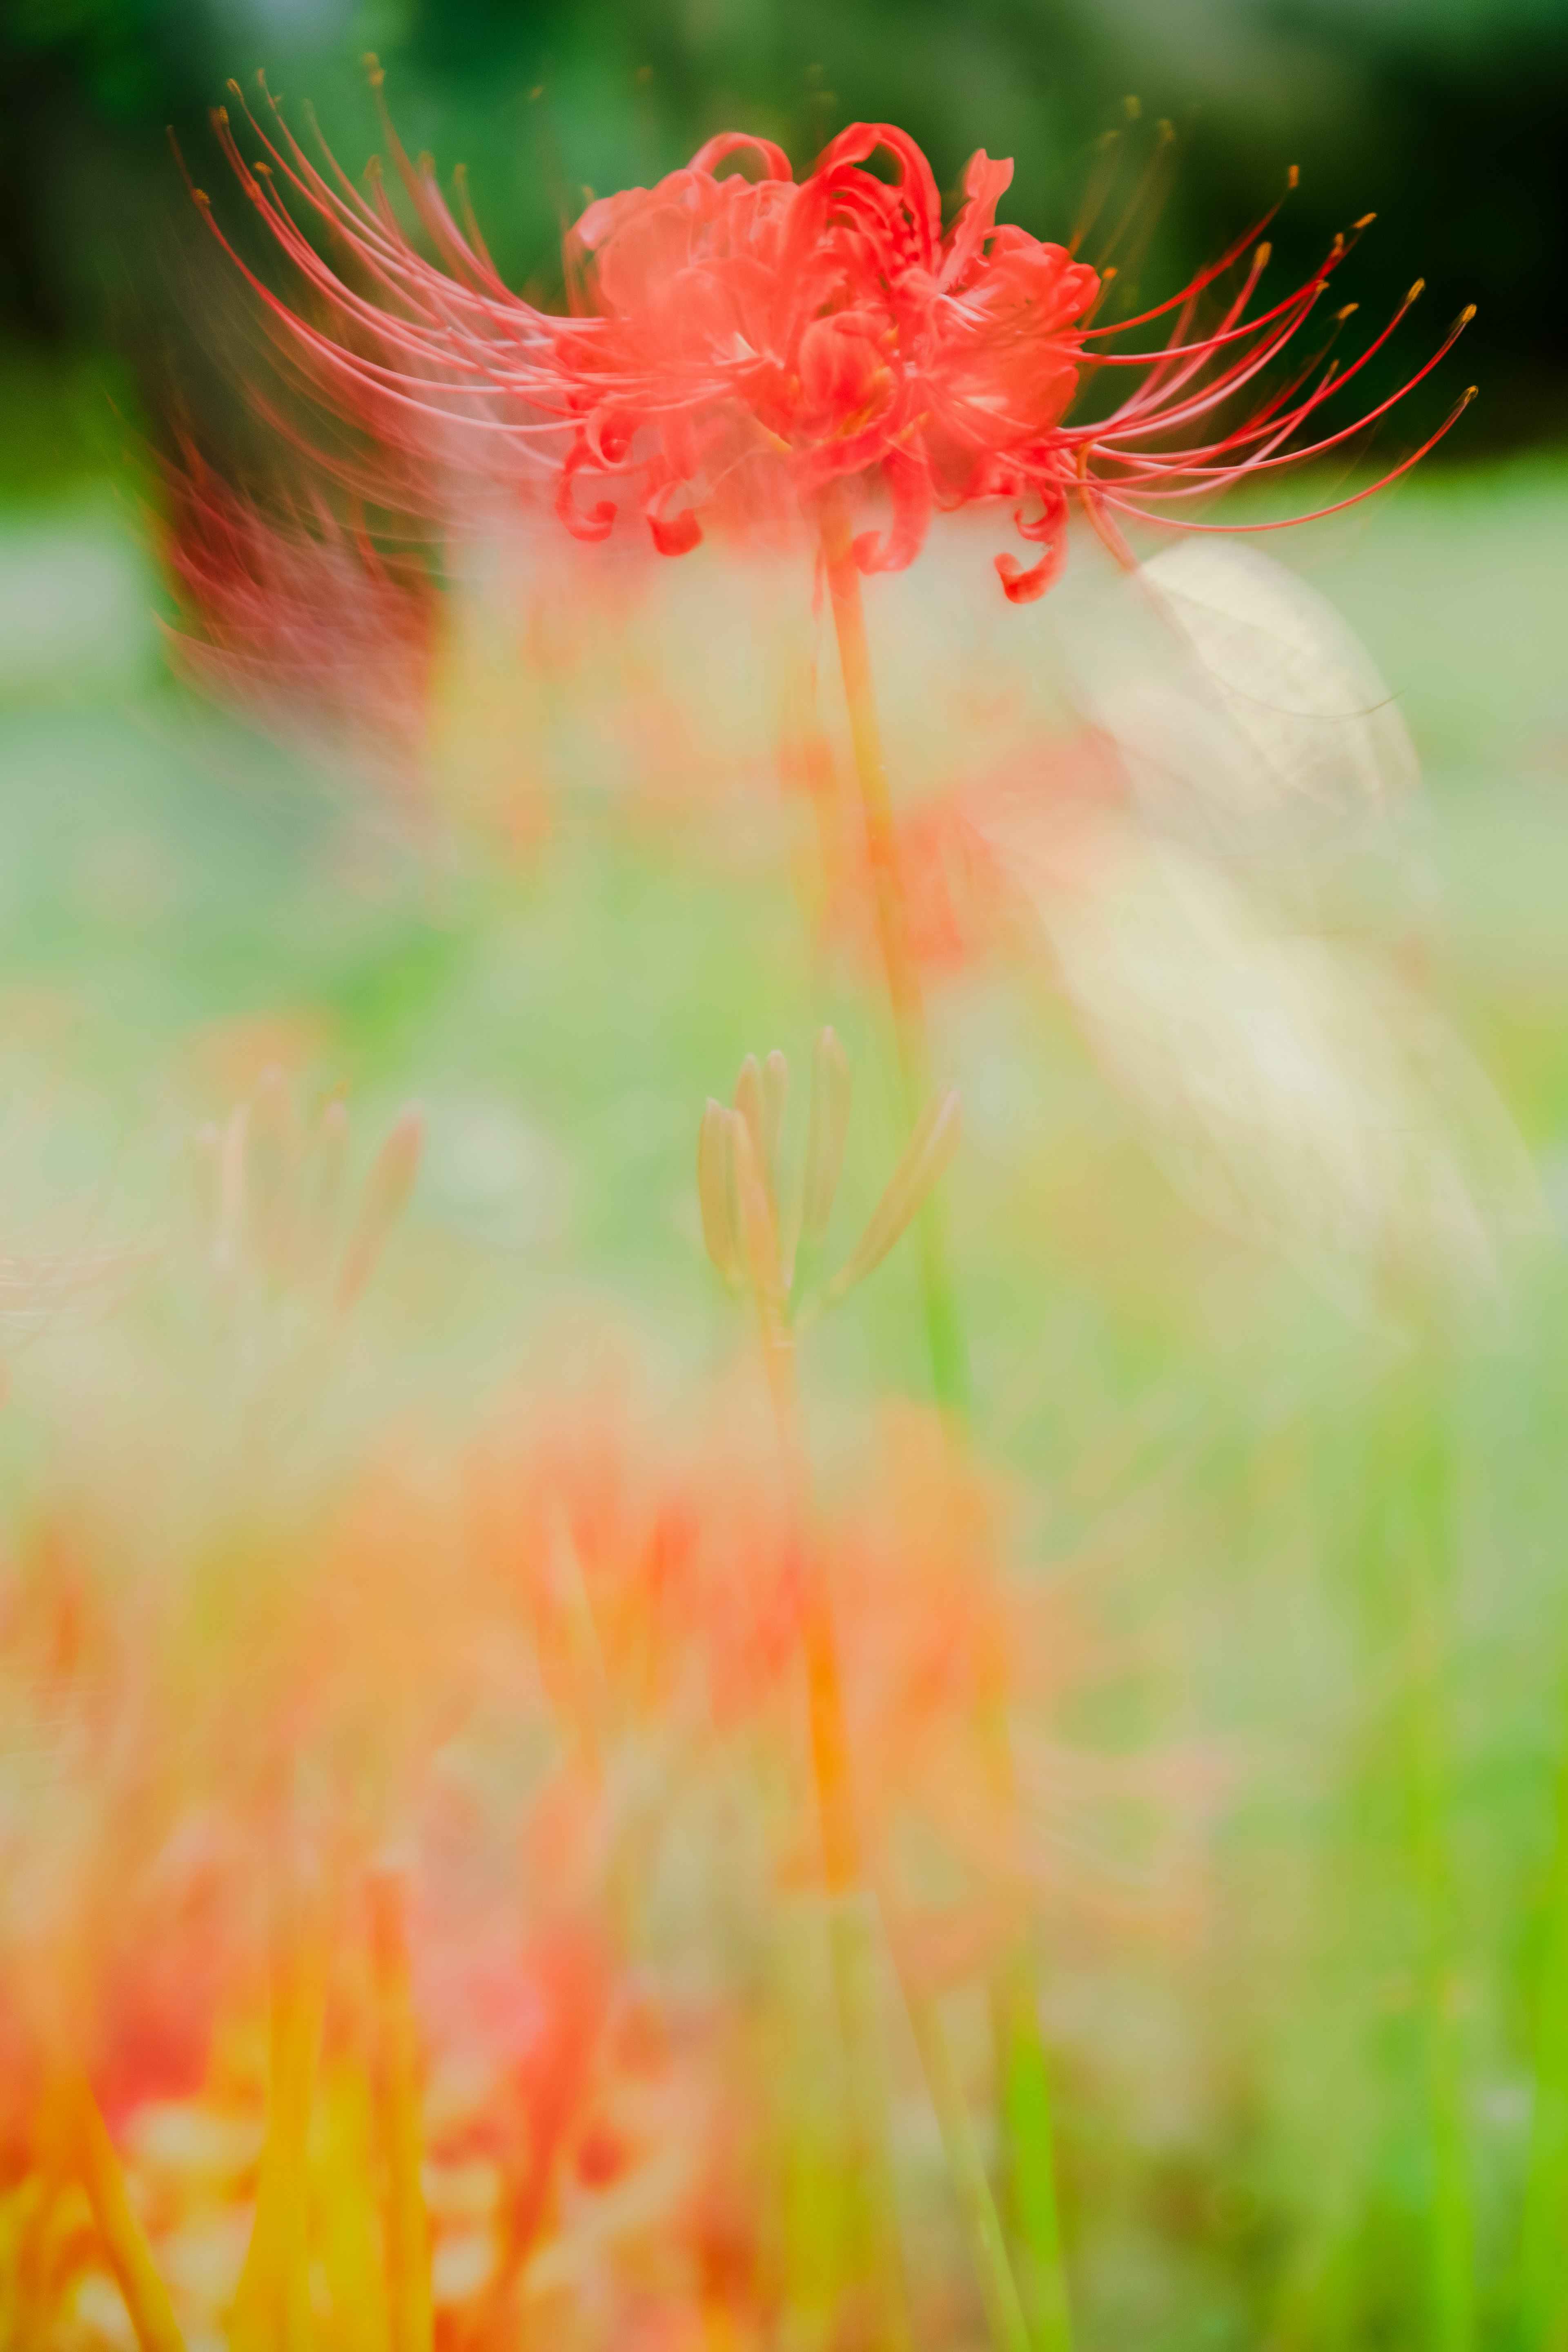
<point x="1308" y="2032"/>
<point x="410" y="1616"/>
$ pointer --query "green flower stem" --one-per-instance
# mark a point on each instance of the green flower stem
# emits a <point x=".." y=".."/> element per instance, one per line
<point x="873" y="2200"/>
<point x="1029" y="2187"/>
<point x="853" y="1929"/>
<point x="949" y="1370"/>
<point x="1412" y="1532"/>
<point x="982" y="2223"/>
<point x="1540" y="2295"/>
<point x="1020" y="2050"/>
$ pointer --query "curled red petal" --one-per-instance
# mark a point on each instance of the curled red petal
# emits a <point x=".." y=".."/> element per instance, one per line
<point x="678" y="535"/>
<point x="1021" y="587"/>
<point x="1046" y="527"/>
<point x="909" y="480"/>
<point x="985" y="180"/>
<point x="598" y="520"/>
<point x="607" y="437"/>
<point x="917" y="182"/>
<point x="725" y="143"/>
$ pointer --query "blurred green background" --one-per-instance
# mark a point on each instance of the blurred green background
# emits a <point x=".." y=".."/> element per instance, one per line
<point x="1337" y="2114"/>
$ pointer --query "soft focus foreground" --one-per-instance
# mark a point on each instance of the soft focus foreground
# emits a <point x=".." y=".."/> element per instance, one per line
<point x="524" y="1820"/>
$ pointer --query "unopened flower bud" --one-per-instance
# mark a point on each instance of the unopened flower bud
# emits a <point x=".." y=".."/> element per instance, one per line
<point x="758" y="1232"/>
<point x="925" y="1156"/>
<point x="748" y="1100"/>
<point x="775" y="1099"/>
<point x="714" y="1182"/>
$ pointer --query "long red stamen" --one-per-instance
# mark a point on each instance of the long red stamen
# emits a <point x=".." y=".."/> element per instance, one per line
<point x="1317" y="514"/>
<point x="1217" y="478"/>
<point x="1207" y="276"/>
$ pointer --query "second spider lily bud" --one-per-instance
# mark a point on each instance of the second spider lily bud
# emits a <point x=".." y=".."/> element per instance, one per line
<point x="925" y="1156"/>
<point x="386" y="1191"/>
<point x="758" y="1226"/>
<point x="714" y="1191"/>
<point x="776" y="1100"/>
<point x="753" y="1222"/>
<point x="751" y="1102"/>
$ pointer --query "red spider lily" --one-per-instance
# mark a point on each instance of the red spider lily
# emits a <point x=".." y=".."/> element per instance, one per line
<point x="302" y="622"/>
<point x="735" y="348"/>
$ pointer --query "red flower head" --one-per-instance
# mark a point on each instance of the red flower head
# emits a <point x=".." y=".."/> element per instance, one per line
<point x="739" y="349"/>
<point x="798" y="336"/>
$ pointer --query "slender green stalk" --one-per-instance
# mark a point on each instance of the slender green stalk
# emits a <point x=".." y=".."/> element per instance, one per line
<point x="1450" y="2247"/>
<point x="1540" y="2297"/>
<point x="1029" y="2183"/>
<point x="1413" y="1531"/>
<point x="852" y="1925"/>
<point x="1450" y="2254"/>
<point x="851" y="1928"/>
<point x="981" y="2223"/>
<point x="949" y="1371"/>
<point x="1023" y="2079"/>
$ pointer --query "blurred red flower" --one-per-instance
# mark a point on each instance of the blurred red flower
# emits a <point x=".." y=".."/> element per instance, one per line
<point x="302" y="622"/>
<point x="735" y="348"/>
